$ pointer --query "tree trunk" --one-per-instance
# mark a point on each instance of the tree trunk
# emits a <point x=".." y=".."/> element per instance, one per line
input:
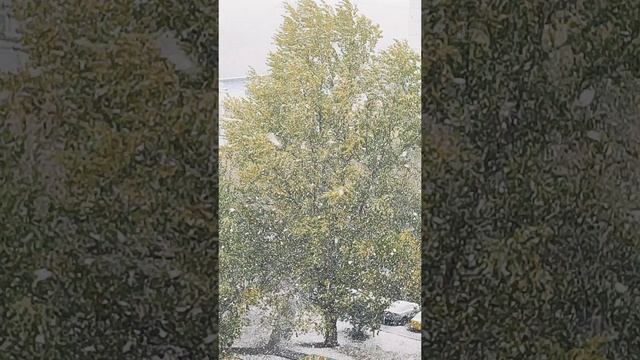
<point x="283" y="326"/>
<point x="330" y="329"/>
<point x="274" y="339"/>
<point x="281" y="332"/>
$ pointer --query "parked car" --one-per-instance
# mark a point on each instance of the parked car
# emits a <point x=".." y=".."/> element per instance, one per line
<point x="399" y="312"/>
<point x="416" y="322"/>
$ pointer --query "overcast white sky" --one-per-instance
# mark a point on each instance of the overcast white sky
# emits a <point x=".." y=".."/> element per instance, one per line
<point x="247" y="28"/>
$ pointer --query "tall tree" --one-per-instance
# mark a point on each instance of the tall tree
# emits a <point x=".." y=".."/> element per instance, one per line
<point x="325" y="148"/>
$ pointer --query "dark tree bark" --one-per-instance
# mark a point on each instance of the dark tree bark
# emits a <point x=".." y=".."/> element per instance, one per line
<point x="330" y="328"/>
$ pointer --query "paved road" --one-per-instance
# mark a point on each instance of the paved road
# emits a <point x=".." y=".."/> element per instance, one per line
<point x="401" y="331"/>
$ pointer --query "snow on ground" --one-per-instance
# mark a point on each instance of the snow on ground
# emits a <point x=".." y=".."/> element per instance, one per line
<point x="397" y="339"/>
<point x="390" y="343"/>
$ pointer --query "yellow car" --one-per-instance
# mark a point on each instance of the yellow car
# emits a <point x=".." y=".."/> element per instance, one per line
<point x="416" y="322"/>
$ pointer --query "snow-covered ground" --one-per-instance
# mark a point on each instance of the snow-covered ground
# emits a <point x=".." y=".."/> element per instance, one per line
<point x="391" y="343"/>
